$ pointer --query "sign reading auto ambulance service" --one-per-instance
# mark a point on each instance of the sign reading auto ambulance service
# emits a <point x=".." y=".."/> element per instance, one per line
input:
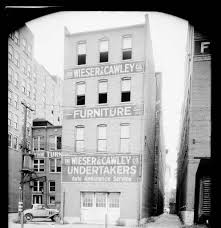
<point x="101" y="168"/>
<point x="105" y="70"/>
<point x="104" y="112"/>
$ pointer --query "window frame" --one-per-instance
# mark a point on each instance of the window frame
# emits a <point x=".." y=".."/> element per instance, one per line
<point x="10" y="52"/>
<point x="99" y="46"/>
<point x="124" y="49"/>
<point x="77" y="84"/>
<point x="55" y="165"/>
<point x="77" y="140"/>
<point x="10" y="97"/>
<point x="39" y="165"/>
<point x="15" y="121"/>
<point x="16" y="100"/>
<point x="125" y="79"/>
<point x="15" y="137"/>
<point x="123" y="138"/>
<point x="49" y="186"/>
<point x="38" y="186"/>
<point x="49" y="200"/>
<point x="11" y="74"/>
<point x="101" y="139"/>
<point x="11" y="136"/>
<point x="101" y="81"/>
<point x="77" y="59"/>
<point x="16" y="60"/>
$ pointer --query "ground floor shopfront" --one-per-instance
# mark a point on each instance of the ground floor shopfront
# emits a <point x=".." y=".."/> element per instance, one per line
<point x="98" y="203"/>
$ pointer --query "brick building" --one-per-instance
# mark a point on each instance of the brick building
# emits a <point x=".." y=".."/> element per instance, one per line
<point x="193" y="175"/>
<point x="28" y="82"/>
<point x="46" y="147"/>
<point x="108" y="129"/>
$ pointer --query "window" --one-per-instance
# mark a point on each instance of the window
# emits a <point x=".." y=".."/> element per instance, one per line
<point x="36" y="199"/>
<point x="103" y="51"/>
<point x="16" y="37"/>
<point x="38" y="186"/>
<point x="39" y="165"/>
<point x="23" y="86"/>
<point x="42" y="142"/>
<point x="34" y="94"/>
<point x="29" y="70"/>
<point x="114" y="200"/>
<point x="10" y="116"/>
<point x="102" y="93"/>
<point x="28" y="90"/>
<point x="10" y="74"/>
<point x="9" y="96"/>
<point x="81" y="52"/>
<point x="54" y="142"/>
<point x="55" y="165"/>
<point x="79" y="142"/>
<point x="16" y="77"/>
<point x="29" y="50"/>
<point x="100" y="199"/>
<point x="51" y="186"/>
<point x="16" y="59"/>
<point x="15" y="142"/>
<point x="87" y="199"/>
<point x="51" y="200"/>
<point x="16" y="101"/>
<point x="125" y="90"/>
<point x="24" y="44"/>
<point x="102" y="138"/>
<point x="35" y="143"/>
<point x="9" y="140"/>
<point x="15" y="121"/>
<point x="10" y="52"/>
<point x="81" y="93"/>
<point x="38" y="143"/>
<point x="124" y="138"/>
<point x="127" y="48"/>
<point x="23" y="66"/>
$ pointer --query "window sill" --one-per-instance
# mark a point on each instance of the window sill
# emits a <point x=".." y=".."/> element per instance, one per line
<point x="55" y="172"/>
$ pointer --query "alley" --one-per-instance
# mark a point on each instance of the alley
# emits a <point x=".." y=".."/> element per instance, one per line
<point x="167" y="221"/>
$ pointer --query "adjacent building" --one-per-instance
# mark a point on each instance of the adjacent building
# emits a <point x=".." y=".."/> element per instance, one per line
<point x="108" y="129"/>
<point x="46" y="147"/>
<point x="194" y="171"/>
<point x="28" y="82"/>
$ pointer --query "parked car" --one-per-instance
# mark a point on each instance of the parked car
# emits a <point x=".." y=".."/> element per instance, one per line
<point x="41" y="211"/>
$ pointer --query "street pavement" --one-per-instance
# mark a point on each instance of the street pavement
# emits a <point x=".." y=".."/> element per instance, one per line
<point x="162" y="221"/>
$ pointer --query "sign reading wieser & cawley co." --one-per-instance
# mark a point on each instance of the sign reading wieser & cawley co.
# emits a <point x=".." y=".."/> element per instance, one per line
<point x="105" y="70"/>
<point x="101" y="168"/>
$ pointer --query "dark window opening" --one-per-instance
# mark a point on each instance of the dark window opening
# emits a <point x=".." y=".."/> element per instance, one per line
<point x="127" y="54"/>
<point x="81" y="59"/>
<point x="81" y="100"/>
<point x="58" y="142"/>
<point x="103" y="57"/>
<point x="125" y="96"/>
<point x="102" y="98"/>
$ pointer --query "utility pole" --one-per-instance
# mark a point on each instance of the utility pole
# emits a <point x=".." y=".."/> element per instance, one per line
<point x="25" y="150"/>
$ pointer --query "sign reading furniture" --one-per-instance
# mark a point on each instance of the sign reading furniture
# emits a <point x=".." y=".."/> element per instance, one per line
<point x="104" y="112"/>
<point x="100" y="168"/>
<point x="105" y="70"/>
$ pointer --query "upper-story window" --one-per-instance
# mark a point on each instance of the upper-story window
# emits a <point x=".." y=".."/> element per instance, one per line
<point x="24" y="44"/>
<point x="124" y="138"/>
<point x="16" y="78"/>
<point x="9" y="96"/>
<point x="79" y="142"/>
<point x="10" y="52"/>
<point x="9" y="139"/>
<point x="23" y="86"/>
<point x="102" y="138"/>
<point x="127" y="47"/>
<point x="15" y="121"/>
<point x="81" y="53"/>
<point x="28" y="70"/>
<point x="10" y="74"/>
<point x="16" y="37"/>
<point x="103" y="51"/>
<point x="38" y="186"/>
<point x="28" y="90"/>
<point x="15" y="142"/>
<point x="81" y="93"/>
<point x="16" y="101"/>
<point x="54" y="142"/>
<point x="10" y="118"/>
<point x="29" y="50"/>
<point x="23" y="66"/>
<point x="55" y="165"/>
<point x="125" y="89"/>
<point x="51" y="186"/>
<point x="102" y="92"/>
<point x="38" y="143"/>
<point x="16" y="59"/>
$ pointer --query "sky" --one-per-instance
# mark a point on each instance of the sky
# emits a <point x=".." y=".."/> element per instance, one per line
<point x="168" y="34"/>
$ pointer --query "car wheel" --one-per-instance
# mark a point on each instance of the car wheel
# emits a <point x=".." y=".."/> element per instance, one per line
<point x="56" y="218"/>
<point x="28" y="217"/>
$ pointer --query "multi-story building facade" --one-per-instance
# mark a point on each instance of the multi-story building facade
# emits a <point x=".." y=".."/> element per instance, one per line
<point x="46" y="147"/>
<point x="25" y="85"/>
<point x="193" y="175"/>
<point x="108" y="130"/>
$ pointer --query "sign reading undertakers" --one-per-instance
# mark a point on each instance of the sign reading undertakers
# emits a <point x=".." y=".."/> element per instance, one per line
<point x="101" y="168"/>
<point x="104" y="112"/>
<point x="105" y="70"/>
